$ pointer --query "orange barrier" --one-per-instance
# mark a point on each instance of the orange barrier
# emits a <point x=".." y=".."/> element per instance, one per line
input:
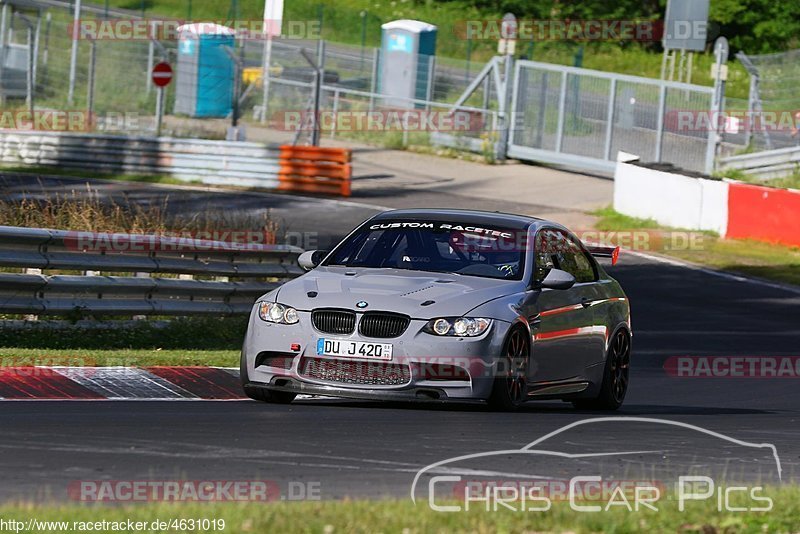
<point x="311" y="169"/>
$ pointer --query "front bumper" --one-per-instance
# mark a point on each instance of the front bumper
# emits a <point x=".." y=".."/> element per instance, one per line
<point x="413" y="394"/>
<point x="415" y="351"/>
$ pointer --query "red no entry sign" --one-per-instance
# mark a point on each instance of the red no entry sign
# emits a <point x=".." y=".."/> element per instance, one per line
<point x="162" y="74"/>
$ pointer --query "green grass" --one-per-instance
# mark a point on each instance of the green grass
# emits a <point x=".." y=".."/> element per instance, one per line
<point x="748" y="257"/>
<point x="180" y="334"/>
<point x="15" y="357"/>
<point x="402" y="516"/>
<point x="787" y="182"/>
<point x="77" y="173"/>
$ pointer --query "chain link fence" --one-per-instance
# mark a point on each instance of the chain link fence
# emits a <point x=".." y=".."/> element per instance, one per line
<point x="773" y="90"/>
<point x="583" y="118"/>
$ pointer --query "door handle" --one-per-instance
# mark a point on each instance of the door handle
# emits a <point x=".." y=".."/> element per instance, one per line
<point x="585" y="302"/>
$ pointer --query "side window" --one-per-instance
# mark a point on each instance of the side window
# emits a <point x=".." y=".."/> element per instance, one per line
<point x="555" y="249"/>
<point x="544" y="258"/>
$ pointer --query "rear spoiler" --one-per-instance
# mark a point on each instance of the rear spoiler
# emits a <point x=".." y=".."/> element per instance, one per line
<point x="601" y="251"/>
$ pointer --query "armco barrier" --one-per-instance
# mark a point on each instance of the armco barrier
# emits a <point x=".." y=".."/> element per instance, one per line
<point x="764" y="214"/>
<point x="671" y="199"/>
<point x="766" y="164"/>
<point x="310" y="169"/>
<point x="61" y="253"/>
<point x="208" y="162"/>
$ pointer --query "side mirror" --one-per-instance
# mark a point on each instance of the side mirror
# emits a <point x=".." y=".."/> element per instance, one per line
<point x="311" y="258"/>
<point x="558" y="279"/>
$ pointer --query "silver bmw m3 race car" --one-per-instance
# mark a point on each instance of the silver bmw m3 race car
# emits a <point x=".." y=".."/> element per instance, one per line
<point x="445" y="305"/>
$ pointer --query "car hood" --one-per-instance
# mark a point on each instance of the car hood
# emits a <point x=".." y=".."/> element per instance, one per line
<point x="396" y="290"/>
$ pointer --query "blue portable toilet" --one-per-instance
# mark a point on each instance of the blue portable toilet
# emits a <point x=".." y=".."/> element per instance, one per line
<point x="205" y="71"/>
<point x="407" y="49"/>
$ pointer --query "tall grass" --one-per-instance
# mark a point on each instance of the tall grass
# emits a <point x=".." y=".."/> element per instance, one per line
<point x="89" y="211"/>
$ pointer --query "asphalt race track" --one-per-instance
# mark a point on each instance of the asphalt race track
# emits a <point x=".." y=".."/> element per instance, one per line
<point x="371" y="449"/>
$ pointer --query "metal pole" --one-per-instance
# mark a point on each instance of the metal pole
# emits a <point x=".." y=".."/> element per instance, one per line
<point x="716" y="105"/>
<point x="30" y="71"/>
<point x="335" y="111"/>
<point x="318" y="73"/>
<point x="364" y="15"/>
<point x="151" y="49"/>
<point x="751" y="108"/>
<point x="373" y="86"/>
<point x="429" y="90"/>
<point x="36" y="48"/>
<point x="90" y="90"/>
<point x="562" y="104"/>
<point x="469" y="56"/>
<point x="73" y="59"/>
<point x="237" y="90"/>
<point x="321" y="56"/>
<point x="317" y="86"/>
<point x="265" y="77"/>
<point x="45" y="54"/>
<point x="612" y="98"/>
<point x="505" y="99"/>
<point x="159" y="109"/>
<point x="662" y="107"/>
<point x="3" y="24"/>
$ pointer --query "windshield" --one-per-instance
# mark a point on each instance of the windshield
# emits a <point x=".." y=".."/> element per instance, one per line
<point x="459" y="248"/>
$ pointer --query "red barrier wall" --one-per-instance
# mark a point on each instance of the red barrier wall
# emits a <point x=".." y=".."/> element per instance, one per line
<point x="763" y="213"/>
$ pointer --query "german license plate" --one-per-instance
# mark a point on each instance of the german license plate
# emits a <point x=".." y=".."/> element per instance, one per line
<point x="354" y="349"/>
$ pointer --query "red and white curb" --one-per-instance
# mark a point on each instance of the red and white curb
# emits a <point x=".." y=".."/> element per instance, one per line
<point x="120" y="383"/>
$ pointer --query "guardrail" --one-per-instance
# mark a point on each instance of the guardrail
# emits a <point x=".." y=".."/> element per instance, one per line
<point x="37" y="249"/>
<point x="767" y="164"/>
<point x="209" y="162"/>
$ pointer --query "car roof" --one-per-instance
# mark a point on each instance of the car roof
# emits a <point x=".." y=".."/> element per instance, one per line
<point x="477" y="217"/>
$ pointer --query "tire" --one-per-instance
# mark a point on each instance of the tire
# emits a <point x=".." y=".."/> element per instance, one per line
<point x="616" y="376"/>
<point x="509" y="391"/>
<point x="261" y="394"/>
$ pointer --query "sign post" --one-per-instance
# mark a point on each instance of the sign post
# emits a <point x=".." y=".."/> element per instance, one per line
<point x="161" y="76"/>
<point x="273" y="20"/>
<point x="507" y="47"/>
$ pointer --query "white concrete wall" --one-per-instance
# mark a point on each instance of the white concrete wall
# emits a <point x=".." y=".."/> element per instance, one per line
<point x="671" y="199"/>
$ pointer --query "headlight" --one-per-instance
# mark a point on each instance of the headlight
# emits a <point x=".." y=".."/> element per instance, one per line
<point x="458" y="326"/>
<point x="272" y="312"/>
